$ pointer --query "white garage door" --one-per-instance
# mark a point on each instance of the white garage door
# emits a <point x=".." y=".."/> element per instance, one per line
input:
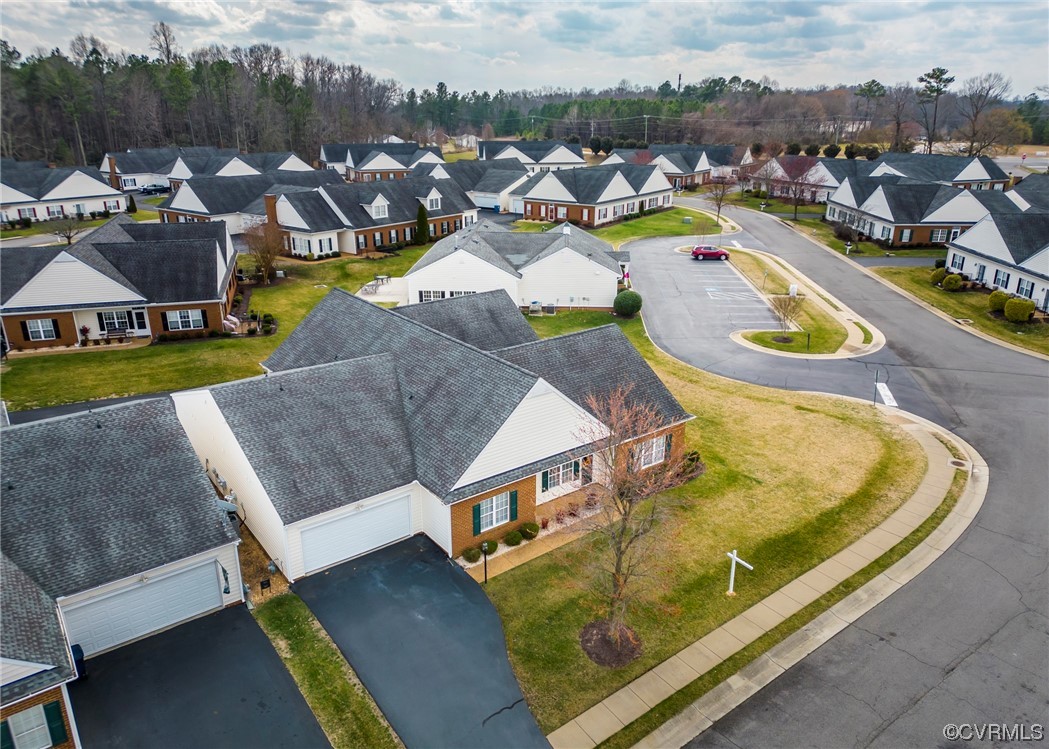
<point x="517" y="205"/>
<point x="143" y="608"/>
<point x="485" y="199"/>
<point x="357" y="533"/>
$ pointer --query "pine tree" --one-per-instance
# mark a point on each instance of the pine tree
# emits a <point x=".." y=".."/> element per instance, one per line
<point x="422" y="226"/>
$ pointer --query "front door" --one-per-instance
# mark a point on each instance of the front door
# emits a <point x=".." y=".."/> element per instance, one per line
<point x="980" y="271"/>
<point x="955" y="232"/>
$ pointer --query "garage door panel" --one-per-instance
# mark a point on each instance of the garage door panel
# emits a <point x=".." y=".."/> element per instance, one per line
<point x="356" y="533"/>
<point x="143" y="608"/>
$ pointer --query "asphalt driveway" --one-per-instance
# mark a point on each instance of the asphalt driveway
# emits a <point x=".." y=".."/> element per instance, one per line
<point x="428" y="645"/>
<point x="211" y="682"/>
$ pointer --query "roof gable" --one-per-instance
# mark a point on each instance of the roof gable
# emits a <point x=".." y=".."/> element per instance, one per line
<point x="68" y="281"/>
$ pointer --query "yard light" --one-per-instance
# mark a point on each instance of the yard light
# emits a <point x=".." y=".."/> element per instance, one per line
<point x="848" y="247"/>
<point x="484" y="550"/>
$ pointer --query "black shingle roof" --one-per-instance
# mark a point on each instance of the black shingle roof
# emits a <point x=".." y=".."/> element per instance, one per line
<point x="36" y="183"/>
<point x="365" y="451"/>
<point x="161" y="160"/>
<point x="212" y="164"/>
<point x="103" y="495"/>
<point x="938" y="167"/>
<point x="1025" y="234"/>
<point x="359" y="152"/>
<point x="587" y="185"/>
<point x="314" y="210"/>
<point x="403" y="195"/>
<point x="489" y="320"/>
<point x="1035" y="190"/>
<point x="225" y="195"/>
<point x="479" y="176"/>
<point x="536" y="150"/>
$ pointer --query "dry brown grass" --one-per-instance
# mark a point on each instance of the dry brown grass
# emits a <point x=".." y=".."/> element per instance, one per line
<point x="253" y="569"/>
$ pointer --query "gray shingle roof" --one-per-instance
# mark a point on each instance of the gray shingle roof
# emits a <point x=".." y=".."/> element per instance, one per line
<point x="479" y="176"/>
<point x="359" y="152"/>
<point x="314" y="210"/>
<point x="31" y="632"/>
<point x="938" y="167"/>
<point x="6" y="163"/>
<point x="842" y="168"/>
<point x="211" y="164"/>
<point x="38" y="182"/>
<point x="1035" y="190"/>
<point x="1025" y="234"/>
<point x="403" y="196"/>
<point x="225" y="195"/>
<point x="455" y="396"/>
<point x="536" y="150"/>
<point x="307" y="471"/>
<point x="587" y="185"/>
<point x="161" y="160"/>
<point x="489" y="320"/>
<point x="103" y="495"/>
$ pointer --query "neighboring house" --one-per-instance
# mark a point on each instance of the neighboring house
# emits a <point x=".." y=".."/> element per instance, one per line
<point x="137" y="167"/>
<point x="904" y="212"/>
<point x="686" y="165"/>
<point x="486" y="183"/>
<point x="815" y="177"/>
<point x="536" y="155"/>
<point x="40" y="194"/>
<point x="466" y="141"/>
<point x="564" y="267"/>
<point x="236" y="165"/>
<point x="966" y="172"/>
<point x="377" y="162"/>
<point x="138" y="279"/>
<point x="1008" y="252"/>
<point x="1031" y="192"/>
<point x="236" y="200"/>
<point x="365" y="216"/>
<point x="440" y="438"/>
<point x="109" y="514"/>
<point x="594" y="196"/>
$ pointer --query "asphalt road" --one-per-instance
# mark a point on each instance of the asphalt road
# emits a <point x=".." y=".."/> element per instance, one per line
<point x="966" y="641"/>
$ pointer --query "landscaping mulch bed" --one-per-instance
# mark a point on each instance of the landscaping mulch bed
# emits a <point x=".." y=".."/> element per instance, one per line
<point x="597" y="643"/>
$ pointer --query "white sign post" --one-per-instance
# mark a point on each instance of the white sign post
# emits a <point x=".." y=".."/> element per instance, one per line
<point x="732" y="575"/>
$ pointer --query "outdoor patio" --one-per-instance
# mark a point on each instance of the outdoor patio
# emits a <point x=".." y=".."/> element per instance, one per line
<point x="386" y="290"/>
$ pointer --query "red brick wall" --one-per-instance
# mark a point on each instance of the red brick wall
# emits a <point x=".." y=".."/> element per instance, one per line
<point x="67" y="331"/>
<point x="51" y="695"/>
<point x="462" y="515"/>
<point x="215" y="312"/>
<point x="171" y="217"/>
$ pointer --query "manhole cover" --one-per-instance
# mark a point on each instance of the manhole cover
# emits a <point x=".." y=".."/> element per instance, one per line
<point x="958" y="463"/>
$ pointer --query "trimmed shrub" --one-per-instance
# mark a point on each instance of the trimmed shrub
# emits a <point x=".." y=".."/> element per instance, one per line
<point x="213" y="333"/>
<point x="529" y="530"/>
<point x="472" y="554"/>
<point x="997" y="300"/>
<point x="162" y="338"/>
<point x="25" y="222"/>
<point x="845" y="232"/>
<point x="941" y="263"/>
<point x="492" y="546"/>
<point x="851" y="151"/>
<point x="793" y="149"/>
<point x="267" y="319"/>
<point x="832" y="150"/>
<point x="310" y="256"/>
<point x="937" y="276"/>
<point x="267" y="329"/>
<point x="1018" y="309"/>
<point x="953" y="282"/>
<point x="131" y="207"/>
<point x="513" y="538"/>
<point x="226" y="334"/>
<point x="237" y="299"/>
<point x="813" y="149"/>
<point x="627" y="303"/>
<point x="253" y="330"/>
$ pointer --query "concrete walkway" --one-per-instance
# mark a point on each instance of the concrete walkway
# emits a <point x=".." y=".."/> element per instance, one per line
<point x="635" y="699"/>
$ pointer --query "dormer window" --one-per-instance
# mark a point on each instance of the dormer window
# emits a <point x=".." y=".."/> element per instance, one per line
<point x="379" y="210"/>
<point x="433" y="204"/>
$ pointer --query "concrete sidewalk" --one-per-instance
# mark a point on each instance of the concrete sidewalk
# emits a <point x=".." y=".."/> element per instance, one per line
<point x="635" y="699"/>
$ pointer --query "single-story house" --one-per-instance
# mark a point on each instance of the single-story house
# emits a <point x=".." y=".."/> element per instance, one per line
<point x="901" y="211"/>
<point x="236" y="200"/>
<point x="377" y="162"/>
<point x="138" y="279"/>
<point x="686" y="165"/>
<point x="486" y="183"/>
<point x="594" y="196"/>
<point x="536" y="155"/>
<point x="816" y="177"/>
<point x="360" y="217"/>
<point x="109" y="514"/>
<point x="566" y="267"/>
<point x="138" y="167"/>
<point x="440" y="437"/>
<point x="1008" y="252"/>
<point x="966" y="172"/>
<point x="40" y="194"/>
<point x="234" y="165"/>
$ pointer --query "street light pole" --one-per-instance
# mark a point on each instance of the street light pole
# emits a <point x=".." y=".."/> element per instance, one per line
<point x="646" y="128"/>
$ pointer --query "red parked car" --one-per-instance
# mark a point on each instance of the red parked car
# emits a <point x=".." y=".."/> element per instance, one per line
<point x="708" y="252"/>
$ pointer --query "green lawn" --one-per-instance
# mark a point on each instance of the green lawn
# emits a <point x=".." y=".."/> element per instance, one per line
<point x="43" y="228"/>
<point x="791" y="479"/>
<point x="343" y="707"/>
<point x="460" y="156"/>
<point x="775" y="205"/>
<point x="663" y="224"/>
<point x="970" y="305"/>
<point x="47" y="380"/>
<point x="824" y="233"/>
<point x="533" y="227"/>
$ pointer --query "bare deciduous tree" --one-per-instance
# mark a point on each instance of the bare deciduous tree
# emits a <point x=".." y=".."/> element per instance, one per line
<point x="67" y="228"/>
<point x="786" y="308"/>
<point x="719" y="191"/>
<point x="901" y="102"/>
<point x="977" y="96"/>
<point x="162" y="41"/>
<point x="265" y="243"/>
<point x="799" y="180"/>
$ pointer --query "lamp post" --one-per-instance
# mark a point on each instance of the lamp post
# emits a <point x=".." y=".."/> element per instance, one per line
<point x="484" y="550"/>
<point x="848" y="247"/>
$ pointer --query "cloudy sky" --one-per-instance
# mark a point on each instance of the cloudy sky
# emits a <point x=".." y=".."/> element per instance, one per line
<point x="490" y="44"/>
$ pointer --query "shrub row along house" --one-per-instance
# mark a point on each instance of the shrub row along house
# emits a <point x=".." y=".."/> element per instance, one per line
<point x="376" y="162"/>
<point x="31" y="191"/>
<point x="535" y="155"/>
<point x="593" y="196"/>
<point x="687" y="165"/>
<point x="565" y="268"/>
<point x="124" y="280"/>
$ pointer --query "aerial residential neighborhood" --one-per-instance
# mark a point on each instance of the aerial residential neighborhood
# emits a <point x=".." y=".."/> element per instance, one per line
<point x="459" y="375"/>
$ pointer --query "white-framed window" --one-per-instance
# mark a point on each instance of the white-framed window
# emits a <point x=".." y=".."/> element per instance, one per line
<point x="29" y="729"/>
<point x="115" y="320"/>
<point x="1001" y="278"/>
<point x="391" y="175"/>
<point x="460" y="293"/>
<point x="981" y="186"/>
<point x="542" y="211"/>
<point x="409" y="232"/>
<point x="430" y="296"/>
<point x="433" y="204"/>
<point x="393" y="236"/>
<point x="376" y="239"/>
<point x="301" y="246"/>
<point x="652" y="202"/>
<point x="999" y="186"/>
<point x="495" y="511"/>
<point x="938" y="235"/>
<point x="79" y="208"/>
<point x="562" y="211"/>
<point x="886" y="232"/>
<point x="666" y="200"/>
<point x="602" y="213"/>
<point x="586" y="214"/>
<point x="980" y="271"/>
<point x="1025" y="288"/>
<point x="27" y="213"/>
<point x="433" y="230"/>
<point x="128" y="181"/>
<point x="905" y="235"/>
<point x="562" y="476"/>
<point x="618" y="210"/>
<point x="54" y="211"/>
<point x="41" y="330"/>
<point x="380" y="211"/>
<point x="444" y="228"/>
<point x="830" y="211"/>
<point x="529" y="211"/>
<point x="957" y="261"/>
<point x="112" y="205"/>
<point x="651" y="452"/>
<point x="378" y="176"/>
<point x="458" y="224"/>
<point x="631" y="207"/>
<point x="185" y="319"/>
<point x="362" y="242"/>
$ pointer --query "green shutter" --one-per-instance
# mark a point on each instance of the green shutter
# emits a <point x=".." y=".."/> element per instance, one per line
<point x="546" y="480"/>
<point x="55" y="725"/>
<point x="513" y="505"/>
<point x="575" y="469"/>
<point x="669" y="441"/>
<point x="477" y="519"/>
<point x="6" y="742"/>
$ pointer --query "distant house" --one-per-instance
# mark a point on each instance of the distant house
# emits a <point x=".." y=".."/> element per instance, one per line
<point x="812" y="178"/>
<point x="563" y="268"/>
<point x="1008" y="252"/>
<point x="536" y="155"/>
<point x="686" y="165"/>
<point x="137" y="280"/>
<point x="39" y="193"/>
<point x="904" y="212"/>
<point x="237" y="165"/>
<point x="137" y="167"/>
<point x="466" y="141"/>
<point x="594" y="196"/>
<point x="365" y="216"/>
<point x="236" y="200"/>
<point x="486" y="183"/>
<point x="377" y="162"/>
<point x="966" y="172"/>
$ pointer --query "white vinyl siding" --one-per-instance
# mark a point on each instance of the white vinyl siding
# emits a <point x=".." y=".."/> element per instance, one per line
<point x="568" y="279"/>
<point x="460" y="272"/>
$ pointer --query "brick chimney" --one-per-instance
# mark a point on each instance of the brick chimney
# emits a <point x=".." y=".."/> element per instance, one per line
<point x="271" y="208"/>
<point x="114" y="178"/>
